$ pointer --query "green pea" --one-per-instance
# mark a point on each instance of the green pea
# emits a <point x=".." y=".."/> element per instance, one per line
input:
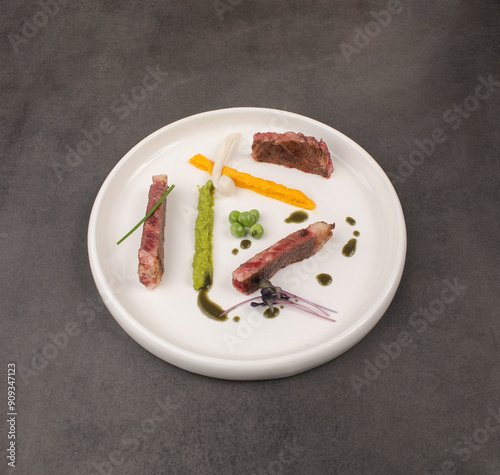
<point x="246" y="219"/>
<point x="255" y="213"/>
<point x="256" y="231"/>
<point x="238" y="230"/>
<point x="233" y="216"/>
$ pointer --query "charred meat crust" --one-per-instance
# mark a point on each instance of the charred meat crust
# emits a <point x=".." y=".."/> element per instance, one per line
<point x="293" y="150"/>
<point x="295" y="247"/>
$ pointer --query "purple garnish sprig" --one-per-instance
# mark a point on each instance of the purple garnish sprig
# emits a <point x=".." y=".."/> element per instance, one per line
<point x="271" y="296"/>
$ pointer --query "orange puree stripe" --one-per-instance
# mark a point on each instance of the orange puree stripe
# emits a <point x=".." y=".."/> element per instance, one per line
<point x="263" y="187"/>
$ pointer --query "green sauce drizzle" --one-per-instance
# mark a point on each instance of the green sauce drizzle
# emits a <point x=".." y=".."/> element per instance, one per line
<point x="269" y="314"/>
<point x="297" y="217"/>
<point x="245" y="244"/>
<point x="350" y="220"/>
<point x="350" y="248"/>
<point x="210" y="308"/>
<point x="324" y="279"/>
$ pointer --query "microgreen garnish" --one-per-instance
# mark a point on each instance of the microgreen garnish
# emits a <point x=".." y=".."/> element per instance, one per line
<point x="147" y="216"/>
<point x="271" y="296"/>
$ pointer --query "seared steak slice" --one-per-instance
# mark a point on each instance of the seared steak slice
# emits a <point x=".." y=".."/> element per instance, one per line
<point x="295" y="247"/>
<point x="293" y="151"/>
<point x="151" y="251"/>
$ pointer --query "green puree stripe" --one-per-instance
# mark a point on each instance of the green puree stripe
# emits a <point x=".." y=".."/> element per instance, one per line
<point x="203" y="232"/>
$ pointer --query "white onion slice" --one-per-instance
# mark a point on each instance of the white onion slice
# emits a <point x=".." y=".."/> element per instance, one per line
<point x="223" y="184"/>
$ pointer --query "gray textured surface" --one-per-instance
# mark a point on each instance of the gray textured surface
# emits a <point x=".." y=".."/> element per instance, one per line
<point x="92" y="404"/>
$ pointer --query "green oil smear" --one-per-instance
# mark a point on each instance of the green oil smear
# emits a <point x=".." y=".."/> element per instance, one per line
<point x="297" y="217"/>
<point x="245" y="244"/>
<point x="269" y="314"/>
<point x="324" y="279"/>
<point x="350" y="248"/>
<point x="350" y="220"/>
<point x="210" y="308"/>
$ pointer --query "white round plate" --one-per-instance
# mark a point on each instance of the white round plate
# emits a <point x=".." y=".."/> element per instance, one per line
<point x="167" y="321"/>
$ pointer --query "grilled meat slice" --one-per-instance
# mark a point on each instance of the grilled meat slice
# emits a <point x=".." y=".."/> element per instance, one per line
<point x="295" y="247"/>
<point x="151" y="251"/>
<point x="293" y="151"/>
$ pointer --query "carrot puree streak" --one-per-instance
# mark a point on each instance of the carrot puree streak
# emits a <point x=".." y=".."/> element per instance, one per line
<point x="258" y="185"/>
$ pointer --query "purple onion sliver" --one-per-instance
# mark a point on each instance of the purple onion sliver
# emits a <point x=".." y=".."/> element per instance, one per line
<point x="311" y="312"/>
<point x="238" y="304"/>
<point x="305" y="309"/>
<point x="307" y="301"/>
<point x="317" y="308"/>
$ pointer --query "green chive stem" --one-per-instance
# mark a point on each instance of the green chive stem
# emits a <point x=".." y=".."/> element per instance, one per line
<point x="147" y="216"/>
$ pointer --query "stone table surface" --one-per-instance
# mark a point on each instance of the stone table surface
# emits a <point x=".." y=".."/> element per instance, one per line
<point x="396" y="77"/>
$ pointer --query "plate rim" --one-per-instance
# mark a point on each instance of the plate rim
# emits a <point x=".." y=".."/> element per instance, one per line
<point x="246" y="369"/>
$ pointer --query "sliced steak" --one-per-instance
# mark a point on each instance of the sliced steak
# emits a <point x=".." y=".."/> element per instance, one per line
<point x="293" y="151"/>
<point x="295" y="247"/>
<point x="151" y="251"/>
